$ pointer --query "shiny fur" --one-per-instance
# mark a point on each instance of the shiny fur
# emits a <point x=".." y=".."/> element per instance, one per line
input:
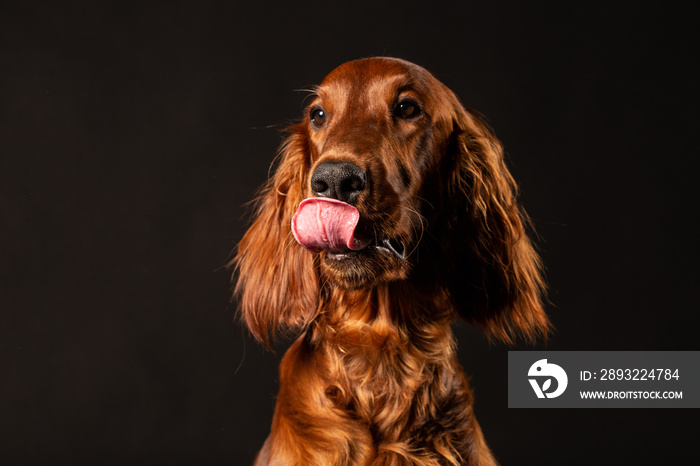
<point x="373" y="378"/>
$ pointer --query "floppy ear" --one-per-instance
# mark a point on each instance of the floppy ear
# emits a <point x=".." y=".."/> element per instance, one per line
<point x="494" y="274"/>
<point x="277" y="282"/>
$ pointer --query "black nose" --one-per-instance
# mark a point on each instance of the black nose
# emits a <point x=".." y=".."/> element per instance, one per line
<point x="339" y="180"/>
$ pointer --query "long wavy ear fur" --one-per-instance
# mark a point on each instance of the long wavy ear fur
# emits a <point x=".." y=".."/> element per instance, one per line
<point x="494" y="274"/>
<point x="276" y="280"/>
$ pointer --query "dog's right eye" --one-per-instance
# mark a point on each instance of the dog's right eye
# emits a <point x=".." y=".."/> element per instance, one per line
<point x="318" y="117"/>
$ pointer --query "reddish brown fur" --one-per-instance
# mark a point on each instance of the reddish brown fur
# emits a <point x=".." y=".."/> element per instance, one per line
<point x="374" y="379"/>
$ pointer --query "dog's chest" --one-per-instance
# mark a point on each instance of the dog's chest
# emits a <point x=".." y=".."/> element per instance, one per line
<point x="371" y="380"/>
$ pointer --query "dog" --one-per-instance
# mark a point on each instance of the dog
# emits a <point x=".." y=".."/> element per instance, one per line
<point x="390" y="214"/>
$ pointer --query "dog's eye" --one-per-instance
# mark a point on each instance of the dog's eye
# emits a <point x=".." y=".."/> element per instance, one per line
<point x="318" y="117"/>
<point x="407" y="109"/>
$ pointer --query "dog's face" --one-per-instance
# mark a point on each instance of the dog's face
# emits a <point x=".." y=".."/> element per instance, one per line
<point x="377" y="130"/>
<point x="390" y="178"/>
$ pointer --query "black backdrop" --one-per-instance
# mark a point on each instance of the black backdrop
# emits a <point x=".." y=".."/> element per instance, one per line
<point x="133" y="133"/>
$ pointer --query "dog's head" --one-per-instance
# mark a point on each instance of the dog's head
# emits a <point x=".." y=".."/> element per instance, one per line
<point x="389" y="178"/>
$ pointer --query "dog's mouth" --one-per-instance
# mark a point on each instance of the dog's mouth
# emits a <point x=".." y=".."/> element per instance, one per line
<point x="392" y="247"/>
<point x="325" y="224"/>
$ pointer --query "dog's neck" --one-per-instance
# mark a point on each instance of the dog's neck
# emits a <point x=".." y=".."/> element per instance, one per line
<point x="379" y="349"/>
<point x="388" y="316"/>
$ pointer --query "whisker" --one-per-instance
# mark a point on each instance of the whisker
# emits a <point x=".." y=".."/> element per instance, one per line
<point x="423" y="227"/>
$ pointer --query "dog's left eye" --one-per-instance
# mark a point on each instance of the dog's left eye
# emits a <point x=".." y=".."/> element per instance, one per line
<point x="407" y="109"/>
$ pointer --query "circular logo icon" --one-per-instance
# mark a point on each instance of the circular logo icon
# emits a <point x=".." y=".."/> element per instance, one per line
<point x="542" y="373"/>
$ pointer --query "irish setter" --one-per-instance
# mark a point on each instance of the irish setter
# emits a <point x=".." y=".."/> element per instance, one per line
<point x="391" y="213"/>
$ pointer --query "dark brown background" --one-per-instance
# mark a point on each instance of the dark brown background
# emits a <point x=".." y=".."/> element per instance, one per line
<point x="133" y="133"/>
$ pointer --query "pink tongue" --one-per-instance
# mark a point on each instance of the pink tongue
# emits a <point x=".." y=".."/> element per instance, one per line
<point x="326" y="224"/>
